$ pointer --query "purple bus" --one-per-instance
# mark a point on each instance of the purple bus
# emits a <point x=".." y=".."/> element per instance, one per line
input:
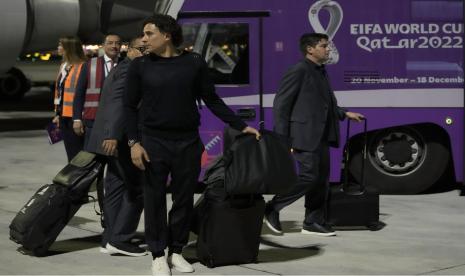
<point x="398" y="62"/>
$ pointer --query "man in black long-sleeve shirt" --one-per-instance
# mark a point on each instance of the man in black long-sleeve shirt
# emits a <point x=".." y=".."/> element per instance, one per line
<point x="167" y="83"/>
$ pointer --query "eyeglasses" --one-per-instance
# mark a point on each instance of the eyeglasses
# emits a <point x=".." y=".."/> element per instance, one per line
<point x="141" y="48"/>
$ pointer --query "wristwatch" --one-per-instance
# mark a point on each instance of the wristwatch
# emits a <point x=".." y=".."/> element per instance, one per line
<point x="132" y="142"/>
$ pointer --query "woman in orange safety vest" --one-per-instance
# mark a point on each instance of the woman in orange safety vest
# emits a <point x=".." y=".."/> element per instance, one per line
<point x="70" y="48"/>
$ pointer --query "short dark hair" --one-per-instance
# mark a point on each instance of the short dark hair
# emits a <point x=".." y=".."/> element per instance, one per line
<point x="109" y="34"/>
<point x="133" y="40"/>
<point x="310" y="39"/>
<point x="167" y="25"/>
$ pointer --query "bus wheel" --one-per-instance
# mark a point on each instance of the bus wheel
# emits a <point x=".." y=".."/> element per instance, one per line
<point x="13" y="85"/>
<point x="404" y="160"/>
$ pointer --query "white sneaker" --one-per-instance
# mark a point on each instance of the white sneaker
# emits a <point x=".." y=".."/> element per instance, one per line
<point x="178" y="262"/>
<point x="160" y="267"/>
<point x="104" y="250"/>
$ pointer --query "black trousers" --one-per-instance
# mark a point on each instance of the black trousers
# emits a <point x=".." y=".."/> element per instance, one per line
<point x="181" y="160"/>
<point x="73" y="143"/>
<point x="122" y="203"/>
<point x="312" y="183"/>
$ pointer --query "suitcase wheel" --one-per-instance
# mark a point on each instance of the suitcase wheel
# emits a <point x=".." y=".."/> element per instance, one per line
<point x="374" y="226"/>
<point x="210" y="263"/>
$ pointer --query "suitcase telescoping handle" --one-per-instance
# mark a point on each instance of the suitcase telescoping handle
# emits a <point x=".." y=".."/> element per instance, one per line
<point x="345" y="184"/>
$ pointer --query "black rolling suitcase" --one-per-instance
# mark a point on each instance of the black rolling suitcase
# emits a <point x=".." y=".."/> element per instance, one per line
<point x="228" y="227"/>
<point x="353" y="204"/>
<point x="39" y="222"/>
<point x="229" y="230"/>
<point x="43" y="217"/>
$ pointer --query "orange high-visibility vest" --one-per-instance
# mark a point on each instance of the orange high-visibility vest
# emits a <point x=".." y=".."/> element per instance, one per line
<point x="69" y="89"/>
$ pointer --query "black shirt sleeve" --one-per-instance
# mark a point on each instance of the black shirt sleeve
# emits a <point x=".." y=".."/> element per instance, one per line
<point x="213" y="101"/>
<point x="132" y="97"/>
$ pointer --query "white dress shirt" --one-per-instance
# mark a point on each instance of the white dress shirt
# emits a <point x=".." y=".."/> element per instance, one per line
<point x="108" y="64"/>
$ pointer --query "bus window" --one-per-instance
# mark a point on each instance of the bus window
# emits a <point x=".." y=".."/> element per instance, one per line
<point x="224" y="47"/>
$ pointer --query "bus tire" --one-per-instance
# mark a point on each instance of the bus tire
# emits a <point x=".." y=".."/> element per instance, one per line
<point x="402" y="160"/>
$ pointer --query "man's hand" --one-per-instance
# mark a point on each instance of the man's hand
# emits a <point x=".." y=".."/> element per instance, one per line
<point x="252" y="130"/>
<point x="354" y="116"/>
<point x="78" y="128"/>
<point x="109" y="146"/>
<point x="56" y="120"/>
<point x="138" y="156"/>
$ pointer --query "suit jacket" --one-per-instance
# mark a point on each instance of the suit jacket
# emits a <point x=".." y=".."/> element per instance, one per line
<point x="109" y="121"/>
<point x="301" y="106"/>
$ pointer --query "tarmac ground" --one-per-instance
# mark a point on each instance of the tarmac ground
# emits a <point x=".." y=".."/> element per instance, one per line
<point x="422" y="234"/>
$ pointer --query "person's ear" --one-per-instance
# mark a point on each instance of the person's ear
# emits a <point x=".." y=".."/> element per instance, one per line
<point x="167" y="37"/>
<point x="309" y="50"/>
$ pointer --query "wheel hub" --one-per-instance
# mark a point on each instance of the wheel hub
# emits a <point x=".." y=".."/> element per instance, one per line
<point x="398" y="152"/>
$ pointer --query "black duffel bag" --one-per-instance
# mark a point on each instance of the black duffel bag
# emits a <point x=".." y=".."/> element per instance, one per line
<point x="265" y="166"/>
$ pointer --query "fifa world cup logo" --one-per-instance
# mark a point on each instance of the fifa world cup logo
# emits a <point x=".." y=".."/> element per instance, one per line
<point x="335" y="20"/>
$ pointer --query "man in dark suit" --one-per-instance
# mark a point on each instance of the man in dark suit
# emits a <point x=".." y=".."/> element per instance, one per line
<point x="123" y="202"/>
<point x="305" y="109"/>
